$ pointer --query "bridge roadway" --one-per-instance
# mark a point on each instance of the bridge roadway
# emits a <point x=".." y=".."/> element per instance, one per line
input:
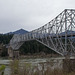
<point x="58" y="34"/>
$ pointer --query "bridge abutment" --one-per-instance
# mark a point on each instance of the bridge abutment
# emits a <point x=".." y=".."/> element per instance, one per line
<point x="13" y="53"/>
<point x="16" y="54"/>
<point x="10" y="52"/>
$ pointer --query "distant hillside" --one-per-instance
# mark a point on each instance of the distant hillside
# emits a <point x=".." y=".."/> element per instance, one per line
<point x="20" y="31"/>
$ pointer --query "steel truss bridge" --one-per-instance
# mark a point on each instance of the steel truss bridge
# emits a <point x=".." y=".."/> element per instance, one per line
<point x="58" y="34"/>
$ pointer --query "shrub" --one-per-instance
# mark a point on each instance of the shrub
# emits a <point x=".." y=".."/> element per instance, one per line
<point x="2" y="67"/>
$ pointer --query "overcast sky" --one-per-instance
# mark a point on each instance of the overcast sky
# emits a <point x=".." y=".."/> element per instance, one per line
<point x="30" y="14"/>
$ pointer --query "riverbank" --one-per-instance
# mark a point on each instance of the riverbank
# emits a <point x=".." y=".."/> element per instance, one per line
<point x="41" y="55"/>
<point x="50" y="67"/>
<point x="37" y="64"/>
<point x="32" y="61"/>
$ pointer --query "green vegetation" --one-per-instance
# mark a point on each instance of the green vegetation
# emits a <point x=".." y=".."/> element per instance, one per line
<point x="33" y="47"/>
<point x="2" y="68"/>
<point x="5" y="38"/>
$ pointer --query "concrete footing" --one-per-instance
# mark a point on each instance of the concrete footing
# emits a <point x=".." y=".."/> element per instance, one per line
<point x="13" y="53"/>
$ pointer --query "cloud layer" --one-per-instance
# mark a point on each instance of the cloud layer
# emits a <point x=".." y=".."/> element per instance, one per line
<point x="30" y="14"/>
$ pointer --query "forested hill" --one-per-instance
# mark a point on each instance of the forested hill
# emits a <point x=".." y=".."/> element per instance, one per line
<point x="5" y="38"/>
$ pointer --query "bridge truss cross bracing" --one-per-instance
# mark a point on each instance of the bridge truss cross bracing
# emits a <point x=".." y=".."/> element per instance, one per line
<point x="58" y="34"/>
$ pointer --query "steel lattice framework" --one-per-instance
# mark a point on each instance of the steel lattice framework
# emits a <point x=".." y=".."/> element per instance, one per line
<point x="58" y="34"/>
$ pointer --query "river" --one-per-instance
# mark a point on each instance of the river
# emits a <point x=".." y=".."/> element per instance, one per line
<point x="55" y="61"/>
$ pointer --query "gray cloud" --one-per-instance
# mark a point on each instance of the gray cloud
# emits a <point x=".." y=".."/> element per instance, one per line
<point x="30" y="14"/>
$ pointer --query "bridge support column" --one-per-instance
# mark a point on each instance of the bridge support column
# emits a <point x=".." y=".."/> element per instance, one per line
<point x="10" y="52"/>
<point x="16" y="54"/>
<point x="13" y="53"/>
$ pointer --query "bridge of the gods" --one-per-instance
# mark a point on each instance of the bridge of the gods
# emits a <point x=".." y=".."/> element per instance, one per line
<point x="58" y="35"/>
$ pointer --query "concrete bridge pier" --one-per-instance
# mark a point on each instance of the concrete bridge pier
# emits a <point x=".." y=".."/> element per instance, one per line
<point x="14" y="54"/>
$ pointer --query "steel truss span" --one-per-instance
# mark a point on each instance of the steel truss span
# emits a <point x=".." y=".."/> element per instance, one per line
<point x="58" y="34"/>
